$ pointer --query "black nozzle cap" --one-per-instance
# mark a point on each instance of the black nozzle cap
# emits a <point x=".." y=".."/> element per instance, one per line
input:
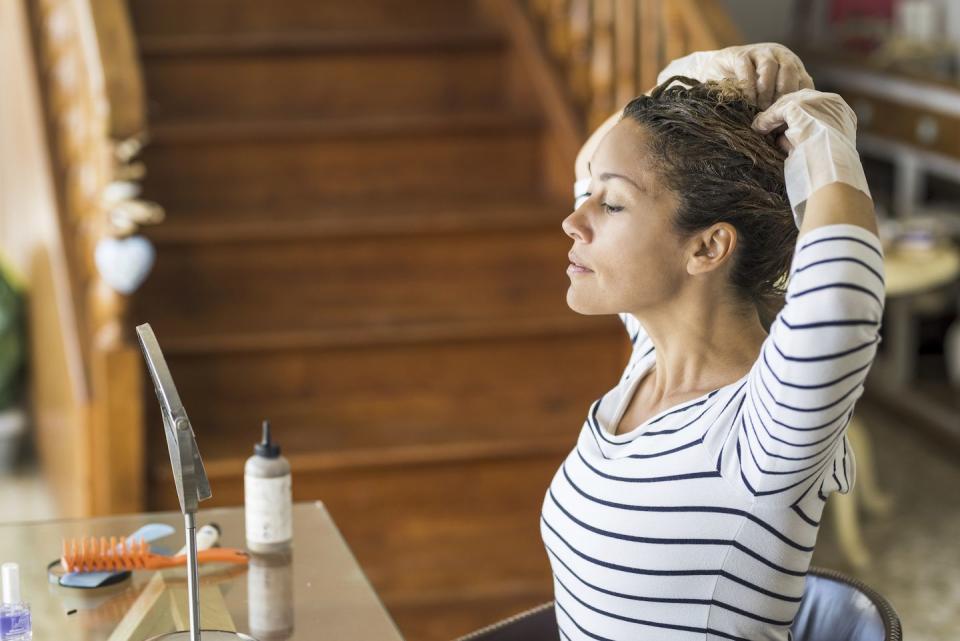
<point x="265" y="448"/>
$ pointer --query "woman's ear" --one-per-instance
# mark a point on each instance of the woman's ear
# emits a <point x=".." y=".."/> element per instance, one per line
<point x="711" y="248"/>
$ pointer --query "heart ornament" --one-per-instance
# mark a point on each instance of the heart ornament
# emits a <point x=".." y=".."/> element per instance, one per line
<point x="124" y="263"/>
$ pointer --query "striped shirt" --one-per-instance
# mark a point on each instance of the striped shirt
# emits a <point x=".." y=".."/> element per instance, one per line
<point x="700" y="523"/>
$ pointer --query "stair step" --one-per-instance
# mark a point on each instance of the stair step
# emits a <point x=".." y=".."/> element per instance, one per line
<point x="207" y="342"/>
<point x="264" y="163"/>
<point x="302" y="286"/>
<point x="189" y="17"/>
<point x="405" y="403"/>
<point x="359" y="217"/>
<point x="255" y="76"/>
<point x="325" y="41"/>
<point x="363" y="126"/>
<point x="387" y="458"/>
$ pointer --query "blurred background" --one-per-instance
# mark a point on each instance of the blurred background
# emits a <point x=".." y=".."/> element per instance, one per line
<point x="345" y="217"/>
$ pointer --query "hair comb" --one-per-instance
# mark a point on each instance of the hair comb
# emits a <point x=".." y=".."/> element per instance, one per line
<point x="110" y="555"/>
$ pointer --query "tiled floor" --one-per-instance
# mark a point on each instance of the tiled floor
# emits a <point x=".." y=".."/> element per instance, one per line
<point x="916" y="550"/>
<point x="24" y="497"/>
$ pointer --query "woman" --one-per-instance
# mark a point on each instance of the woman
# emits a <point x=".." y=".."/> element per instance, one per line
<point x="690" y="506"/>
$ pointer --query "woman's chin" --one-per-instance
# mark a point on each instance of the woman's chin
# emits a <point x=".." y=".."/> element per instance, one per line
<point x="576" y="301"/>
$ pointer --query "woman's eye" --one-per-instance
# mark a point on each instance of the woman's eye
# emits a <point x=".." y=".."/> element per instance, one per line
<point x="610" y="209"/>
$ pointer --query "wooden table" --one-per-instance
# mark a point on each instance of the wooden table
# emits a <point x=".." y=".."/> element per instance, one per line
<point x="318" y="592"/>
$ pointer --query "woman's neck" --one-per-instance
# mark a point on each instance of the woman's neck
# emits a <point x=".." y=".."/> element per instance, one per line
<point x="701" y="347"/>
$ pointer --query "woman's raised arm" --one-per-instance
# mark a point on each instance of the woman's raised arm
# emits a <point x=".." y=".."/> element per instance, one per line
<point x="790" y="446"/>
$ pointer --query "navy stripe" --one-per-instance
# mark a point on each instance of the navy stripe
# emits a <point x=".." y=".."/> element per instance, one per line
<point x="824" y="357"/>
<point x="779" y="490"/>
<point x="660" y="541"/>
<point x="683" y="509"/>
<point x="794" y="429"/>
<point x="651" y="479"/>
<point x="848" y="259"/>
<point x="604" y="434"/>
<point x="833" y="238"/>
<point x="580" y="627"/>
<point x="667" y="626"/>
<point x="646" y="572"/>
<point x="802" y="515"/>
<point x="846" y="478"/>
<point x="665" y="452"/>
<point x="685" y="425"/>
<point x="809" y="409"/>
<point x="650" y="599"/>
<point x="755" y="396"/>
<point x="838" y="285"/>
<point x="592" y="418"/>
<point x="825" y="455"/>
<point x="817" y="386"/>
<point x="833" y="323"/>
<point x="756" y="435"/>
<point x="589" y="428"/>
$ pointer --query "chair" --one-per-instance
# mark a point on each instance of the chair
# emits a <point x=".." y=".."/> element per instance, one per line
<point x="835" y="607"/>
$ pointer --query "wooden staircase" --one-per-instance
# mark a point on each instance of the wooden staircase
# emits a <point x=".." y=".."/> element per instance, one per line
<point x="362" y="245"/>
<point x="362" y="242"/>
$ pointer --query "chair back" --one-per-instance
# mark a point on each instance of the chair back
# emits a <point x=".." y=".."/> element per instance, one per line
<point x="839" y="607"/>
<point x="835" y="607"/>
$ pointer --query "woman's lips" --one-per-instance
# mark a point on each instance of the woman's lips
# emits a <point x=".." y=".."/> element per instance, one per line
<point x="575" y="267"/>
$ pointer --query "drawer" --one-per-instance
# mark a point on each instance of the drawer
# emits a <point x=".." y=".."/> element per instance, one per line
<point x="915" y="126"/>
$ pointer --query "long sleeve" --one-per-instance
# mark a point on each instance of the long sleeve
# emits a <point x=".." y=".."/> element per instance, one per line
<point x="789" y="440"/>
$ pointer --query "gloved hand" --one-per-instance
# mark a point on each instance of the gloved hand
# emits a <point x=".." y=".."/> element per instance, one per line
<point x="765" y="70"/>
<point x="820" y="140"/>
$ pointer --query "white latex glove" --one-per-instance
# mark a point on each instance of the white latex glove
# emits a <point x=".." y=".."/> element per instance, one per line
<point x="765" y="70"/>
<point x="820" y="140"/>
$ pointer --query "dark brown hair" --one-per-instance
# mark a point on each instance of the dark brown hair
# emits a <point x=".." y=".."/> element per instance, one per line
<point x="722" y="170"/>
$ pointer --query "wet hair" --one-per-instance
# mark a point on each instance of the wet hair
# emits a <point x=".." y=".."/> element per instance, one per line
<point x="721" y="170"/>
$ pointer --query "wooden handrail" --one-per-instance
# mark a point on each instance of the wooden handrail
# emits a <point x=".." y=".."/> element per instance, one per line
<point x="92" y="94"/>
<point x="612" y="50"/>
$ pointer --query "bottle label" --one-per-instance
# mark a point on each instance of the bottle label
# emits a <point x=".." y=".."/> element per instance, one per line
<point x="267" y="509"/>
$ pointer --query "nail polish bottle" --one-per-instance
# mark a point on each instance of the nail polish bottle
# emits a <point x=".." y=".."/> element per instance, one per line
<point x="14" y="615"/>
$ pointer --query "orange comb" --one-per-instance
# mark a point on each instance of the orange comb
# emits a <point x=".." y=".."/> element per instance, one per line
<point x="109" y="555"/>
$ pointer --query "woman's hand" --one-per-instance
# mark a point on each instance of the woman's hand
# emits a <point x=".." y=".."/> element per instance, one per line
<point x="765" y="70"/>
<point x="819" y="134"/>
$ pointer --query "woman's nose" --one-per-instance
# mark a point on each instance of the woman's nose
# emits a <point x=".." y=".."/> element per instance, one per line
<point x="575" y="225"/>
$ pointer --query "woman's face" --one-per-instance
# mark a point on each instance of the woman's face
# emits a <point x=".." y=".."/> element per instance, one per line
<point x="626" y="257"/>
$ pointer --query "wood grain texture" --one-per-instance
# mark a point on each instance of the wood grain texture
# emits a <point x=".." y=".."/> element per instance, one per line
<point x="376" y="264"/>
<point x="92" y="106"/>
<point x="278" y="163"/>
<point x="262" y="79"/>
<point x="464" y="552"/>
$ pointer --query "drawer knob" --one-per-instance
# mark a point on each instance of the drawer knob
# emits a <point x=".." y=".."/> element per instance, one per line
<point x="864" y="110"/>
<point x="927" y="130"/>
